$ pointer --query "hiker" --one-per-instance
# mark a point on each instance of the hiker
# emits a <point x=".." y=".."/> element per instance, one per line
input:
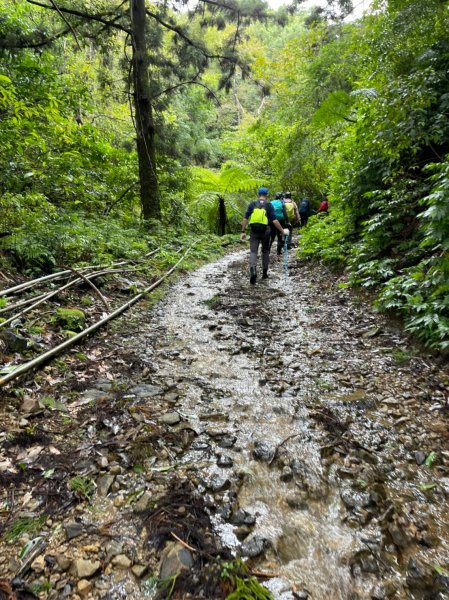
<point x="324" y="208"/>
<point x="258" y="215"/>
<point x="304" y="211"/>
<point x="281" y="216"/>
<point x="291" y="210"/>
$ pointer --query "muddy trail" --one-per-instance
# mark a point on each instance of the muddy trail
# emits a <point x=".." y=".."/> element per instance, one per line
<point x="286" y="423"/>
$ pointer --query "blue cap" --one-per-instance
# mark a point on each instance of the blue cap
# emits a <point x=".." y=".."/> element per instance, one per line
<point x="263" y="191"/>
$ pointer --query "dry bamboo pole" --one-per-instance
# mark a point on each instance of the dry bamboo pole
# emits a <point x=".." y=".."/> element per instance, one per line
<point x="42" y="300"/>
<point x="11" y="307"/>
<point x="22" y="369"/>
<point x="61" y="274"/>
<point x="93" y="286"/>
<point x="44" y="297"/>
<point x="32" y="283"/>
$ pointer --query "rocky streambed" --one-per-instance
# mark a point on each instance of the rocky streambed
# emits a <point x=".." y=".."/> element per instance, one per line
<point x="286" y="423"/>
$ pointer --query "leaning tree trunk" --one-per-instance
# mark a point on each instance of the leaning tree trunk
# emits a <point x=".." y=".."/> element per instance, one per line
<point x="221" y="215"/>
<point x="145" y="129"/>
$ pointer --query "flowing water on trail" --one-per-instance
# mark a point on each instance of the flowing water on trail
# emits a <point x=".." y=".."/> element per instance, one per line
<point x="250" y="364"/>
<point x="299" y="423"/>
<point x="238" y="395"/>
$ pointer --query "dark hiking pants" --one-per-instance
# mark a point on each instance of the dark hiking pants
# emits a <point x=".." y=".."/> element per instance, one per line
<point x="256" y="239"/>
<point x="304" y="218"/>
<point x="280" y="238"/>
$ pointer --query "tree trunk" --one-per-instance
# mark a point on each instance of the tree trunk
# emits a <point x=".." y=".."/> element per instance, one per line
<point x="221" y="216"/>
<point x="145" y="129"/>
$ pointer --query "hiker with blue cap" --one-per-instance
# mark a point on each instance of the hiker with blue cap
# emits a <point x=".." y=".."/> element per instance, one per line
<point x="259" y="215"/>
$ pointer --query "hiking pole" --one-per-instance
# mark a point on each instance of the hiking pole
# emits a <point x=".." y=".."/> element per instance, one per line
<point x="286" y="257"/>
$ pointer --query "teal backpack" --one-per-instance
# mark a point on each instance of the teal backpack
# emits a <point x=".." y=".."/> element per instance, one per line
<point x="278" y="206"/>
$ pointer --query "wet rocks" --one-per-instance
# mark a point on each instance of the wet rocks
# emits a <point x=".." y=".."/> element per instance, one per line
<point x="263" y="451"/>
<point x="354" y="498"/>
<point x="398" y="535"/>
<point x="121" y="561"/>
<point x="170" y="418"/>
<point x="142" y="502"/>
<point x="139" y="570"/>
<point x="83" y="587"/>
<point x="365" y="562"/>
<point x="297" y="500"/>
<point x="73" y="530"/>
<point x="38" y="564"/>
<point x="254" y="546"/>
<point x="85" y="568"/>
<point x="13" y="341"/>
<point x="218" y="483"/>
<point x="242" y="517"/>
<point x="146" y="390"/>
<point x="286" y="474"/>
<point x="301" y="595"/>
<point x="224" y="461"/>
<point x="175" y="558"/>
<point x="30" y="405"/>
<point x="422" y="576"/>
<point x="420" y="457"/>
<point x="226" y="441"/>
<point x="63" y="561"/>
<point x="104" y="483"/>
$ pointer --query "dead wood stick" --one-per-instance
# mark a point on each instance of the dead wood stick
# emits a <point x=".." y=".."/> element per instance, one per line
<point x="43" y="358"/>
<point x="276" y="450"/>
<point x="4" y="277"/>
<point x="92" y="285"/>
<point x="183" y="543"/>
<point x="268" y="575"/>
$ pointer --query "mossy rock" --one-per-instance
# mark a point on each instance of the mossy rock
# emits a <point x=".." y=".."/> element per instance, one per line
<point x="69" y="334"/>
<point x="71" y="319"/>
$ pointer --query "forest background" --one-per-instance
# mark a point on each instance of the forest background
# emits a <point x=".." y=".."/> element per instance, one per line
<point x="97" y="164"/>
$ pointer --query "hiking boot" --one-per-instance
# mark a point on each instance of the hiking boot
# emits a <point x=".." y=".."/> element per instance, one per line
<point x="253" y="276"/>
<point x="265" y="274"/>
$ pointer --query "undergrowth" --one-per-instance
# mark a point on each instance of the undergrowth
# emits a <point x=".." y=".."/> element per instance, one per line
<point x="38" y="238"/>
<point x="402" y="253"/>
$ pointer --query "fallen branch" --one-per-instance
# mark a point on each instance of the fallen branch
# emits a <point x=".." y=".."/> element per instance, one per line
<point x="92" y="285"/>
<point x="183" y="543"/>
<point x="3" y="276"/>
<point x="267" y="575"/>
<point x="43" y="358"/>
<point x="276" y="450"/>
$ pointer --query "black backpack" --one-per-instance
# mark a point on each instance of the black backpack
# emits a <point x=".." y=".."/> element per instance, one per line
<point x="304" y="207"/>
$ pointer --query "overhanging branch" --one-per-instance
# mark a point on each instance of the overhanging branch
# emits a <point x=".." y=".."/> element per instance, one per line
<point x="186" y="38"/>
<point x="85" y="16"/>
<point x="189" y="82"/>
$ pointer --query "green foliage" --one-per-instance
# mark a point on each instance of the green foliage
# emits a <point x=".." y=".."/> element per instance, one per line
<point x="245" y="587"/>
<point x="72" y="319"/>
<point x="363" y="112"/>
<point x="24" y="525"/>
<point x="83" y="487"/>
<point x="430" y="459"/>
<point x="326" y="237"/>
<point x="43" y="237"/>
<point x="208" y="188"/>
